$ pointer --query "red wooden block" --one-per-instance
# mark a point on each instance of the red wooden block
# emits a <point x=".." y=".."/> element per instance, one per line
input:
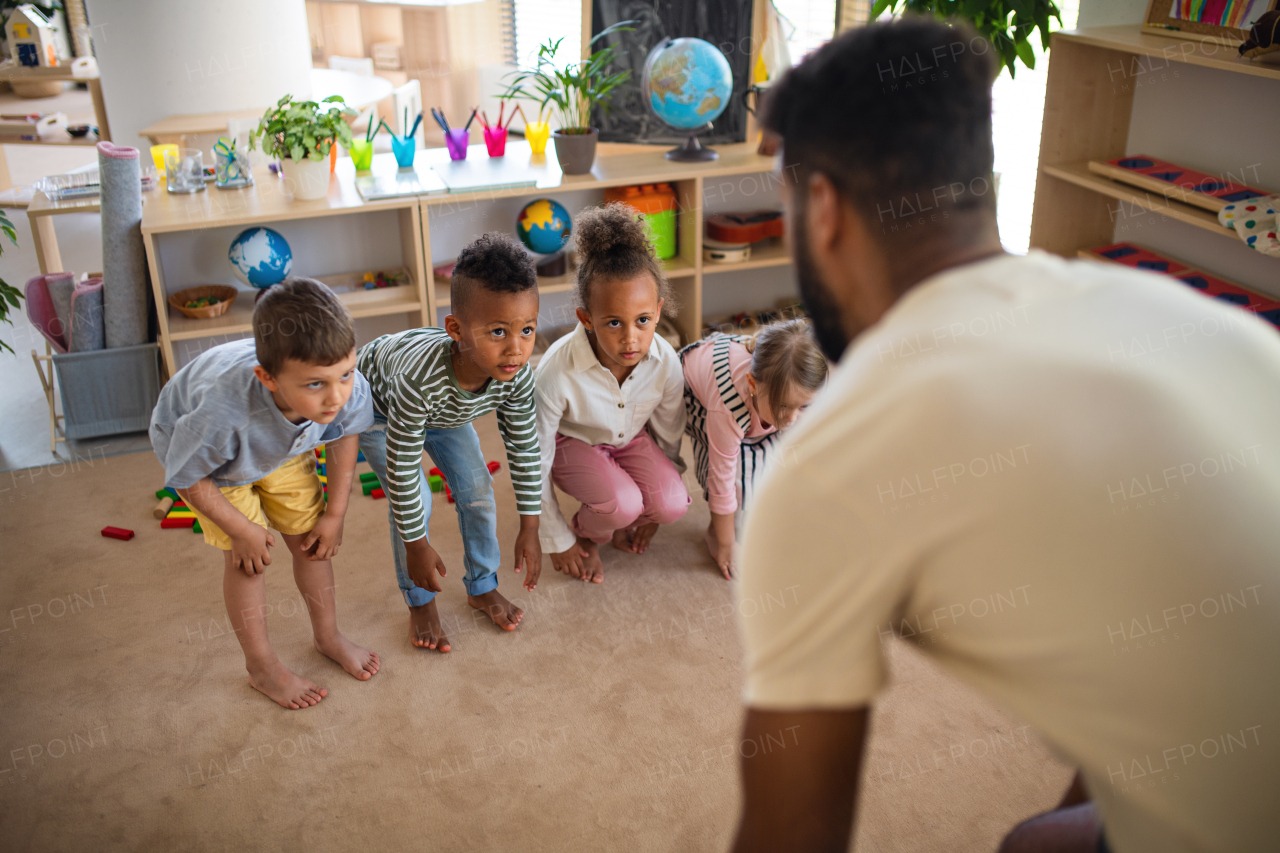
<point x="174" y="523"/>
<point x="494" y="466"/>
<point x="117" y="533"/>
<point x="377" y="493"/>
<point x="447" y="493"/>
<point x="438" y="473"/>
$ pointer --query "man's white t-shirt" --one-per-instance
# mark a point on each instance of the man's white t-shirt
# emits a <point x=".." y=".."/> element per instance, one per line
<point x="1062" y="480"/>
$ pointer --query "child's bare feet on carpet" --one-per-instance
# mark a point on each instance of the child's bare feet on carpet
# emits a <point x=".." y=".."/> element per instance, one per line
<point x="503" y="613"/>
<point x="356" y="660"/>
<point x="592" y="568"/>
<point x="635" y="540"/>
<point x="425" y="630"/>
<point x="286" y="689"/>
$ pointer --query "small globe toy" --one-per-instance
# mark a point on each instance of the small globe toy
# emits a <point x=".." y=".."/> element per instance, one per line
<point x="544" y="226"/>
<point x="688" y="84"/>
<point x="260" y="257"/>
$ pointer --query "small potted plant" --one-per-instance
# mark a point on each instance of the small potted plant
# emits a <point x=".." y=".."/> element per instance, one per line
<point x="574" y="90"/>
<point x="300" y="134"/>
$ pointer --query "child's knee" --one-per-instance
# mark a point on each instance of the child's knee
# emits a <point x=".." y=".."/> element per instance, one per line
<point x="670" y="508"/>
<point x="623" y="510"/>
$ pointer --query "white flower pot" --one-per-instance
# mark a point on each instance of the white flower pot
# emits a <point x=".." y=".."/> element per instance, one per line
<point x="306" y="180"/>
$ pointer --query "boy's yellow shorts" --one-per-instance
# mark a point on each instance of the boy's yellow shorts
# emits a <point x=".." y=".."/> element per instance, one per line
<point x="289" y="499"/>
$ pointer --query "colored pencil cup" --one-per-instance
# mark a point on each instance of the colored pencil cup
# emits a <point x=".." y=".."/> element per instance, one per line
<point x="404" y="148"/>
<point x="157" y="155"/>
<point x="456" y="141"/>
<point x="495" y="139"/>
<point x="538" y="132"/>
<point x="361" y="154"/>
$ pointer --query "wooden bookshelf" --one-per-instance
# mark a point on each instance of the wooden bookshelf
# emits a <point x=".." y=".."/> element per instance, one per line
<point x="1088" y="104"/>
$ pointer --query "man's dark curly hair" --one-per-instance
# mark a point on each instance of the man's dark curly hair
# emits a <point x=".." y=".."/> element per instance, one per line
<point x="897" y="115"/>
<point x="495" y="262"/>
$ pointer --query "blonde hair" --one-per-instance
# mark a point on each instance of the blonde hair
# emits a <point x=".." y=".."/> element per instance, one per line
<point x="614" y="245"/>
<point x="785" y="354"/>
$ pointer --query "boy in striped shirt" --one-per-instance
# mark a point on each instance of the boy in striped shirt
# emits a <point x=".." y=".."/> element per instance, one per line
<point x="428" y="385"/>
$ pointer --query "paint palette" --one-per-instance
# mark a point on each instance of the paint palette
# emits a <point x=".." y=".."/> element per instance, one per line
<point x="1175" y="182"/>
<point x="1135" y="256"/>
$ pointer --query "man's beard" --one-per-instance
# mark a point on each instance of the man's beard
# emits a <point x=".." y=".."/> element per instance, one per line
<point x="823" y="313"/>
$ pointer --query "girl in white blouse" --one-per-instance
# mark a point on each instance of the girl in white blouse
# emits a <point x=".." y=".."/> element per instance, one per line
<point x="610" y="401"/>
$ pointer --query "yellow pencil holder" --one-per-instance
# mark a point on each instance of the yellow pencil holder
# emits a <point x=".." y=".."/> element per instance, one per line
<point x="157" y="155"/>
<point x="538" y="132"/>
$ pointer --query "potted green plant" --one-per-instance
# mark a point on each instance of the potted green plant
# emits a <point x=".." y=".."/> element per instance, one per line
<point x="9" y="295"/>
<point x="300" y="134"/>
<point x="574" y="91"/>
<point x="1011" y="40"/>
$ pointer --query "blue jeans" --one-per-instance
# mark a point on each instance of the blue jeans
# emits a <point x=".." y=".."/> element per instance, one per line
<point x="456" y="452"/>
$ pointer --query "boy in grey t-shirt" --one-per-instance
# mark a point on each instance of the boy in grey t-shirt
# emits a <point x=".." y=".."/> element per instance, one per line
<point x="236" y="430"/>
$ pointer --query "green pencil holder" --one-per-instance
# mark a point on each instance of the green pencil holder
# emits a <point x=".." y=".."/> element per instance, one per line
<point x="361" y="154"/>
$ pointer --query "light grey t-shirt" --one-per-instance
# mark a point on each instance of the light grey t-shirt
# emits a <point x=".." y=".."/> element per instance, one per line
<point x="216" y="419"/>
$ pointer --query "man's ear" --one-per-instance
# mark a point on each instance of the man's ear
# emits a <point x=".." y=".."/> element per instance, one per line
<point x="266" y="378"/>
<point x="583" y="317"/>
<point x="822" y="214"/>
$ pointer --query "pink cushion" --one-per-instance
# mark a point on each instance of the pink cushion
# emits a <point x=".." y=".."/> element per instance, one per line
<point x="41" y="312"/>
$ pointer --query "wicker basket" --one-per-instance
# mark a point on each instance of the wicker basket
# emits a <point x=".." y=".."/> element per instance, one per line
<point x="180" y="299"/>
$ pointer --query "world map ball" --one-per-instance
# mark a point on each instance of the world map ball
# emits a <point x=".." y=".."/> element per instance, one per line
<point x="688" y="81"/>
<point x="260" y="257"/>
<point x="544" y="226"/>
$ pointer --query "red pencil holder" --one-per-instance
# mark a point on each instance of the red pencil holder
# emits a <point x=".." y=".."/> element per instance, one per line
<point x="495" y="139"/>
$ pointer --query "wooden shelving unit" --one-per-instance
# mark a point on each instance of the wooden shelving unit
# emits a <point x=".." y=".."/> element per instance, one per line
<point x="1088" y="103"/>
<point x="183" y="217"/>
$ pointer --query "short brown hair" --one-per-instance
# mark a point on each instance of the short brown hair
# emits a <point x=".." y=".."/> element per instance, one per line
<point x="614" y="245"/>
<point x="301" y="319"/>
<point x="785" y="354"/>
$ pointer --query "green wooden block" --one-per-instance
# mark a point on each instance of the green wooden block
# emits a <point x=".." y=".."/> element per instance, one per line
<point x="368" y="477"/>
<point x="167" y="493"/>
<point x="195" y="528"/>
<point x="436" y="482"/>
<point x="369" y="487"/>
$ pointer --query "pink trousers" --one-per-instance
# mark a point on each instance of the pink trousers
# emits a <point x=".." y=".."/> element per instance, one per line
<point x="619" y="487"/>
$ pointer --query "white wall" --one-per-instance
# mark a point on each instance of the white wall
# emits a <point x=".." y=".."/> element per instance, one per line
<point x="1110" y="13"/>
<point x="160" y="58"/>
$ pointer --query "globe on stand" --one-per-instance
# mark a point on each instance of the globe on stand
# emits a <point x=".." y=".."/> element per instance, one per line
<point x="688" y="84"/>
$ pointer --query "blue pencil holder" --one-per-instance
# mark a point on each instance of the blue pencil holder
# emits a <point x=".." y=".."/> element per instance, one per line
<point x="404" y="148"/>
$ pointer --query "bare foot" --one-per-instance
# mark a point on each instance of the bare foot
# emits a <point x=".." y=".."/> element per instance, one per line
<point x="356" y="660"/>
<point x="425" y="630"/>
<point x="623" y="538"/>
<point x="592" y="568"/>
<point x="503" y="613"/>
<point x="287" y="690"/>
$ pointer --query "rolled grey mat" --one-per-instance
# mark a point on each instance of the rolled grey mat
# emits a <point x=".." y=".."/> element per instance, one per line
<point x="124" y="261"/>
<point x="61" y="285"/>
<point x="87" y="330"/>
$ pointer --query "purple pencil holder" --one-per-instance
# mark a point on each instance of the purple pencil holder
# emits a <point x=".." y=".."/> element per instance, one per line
<point x="495" y="139"/>
<point x="456" y="141"/>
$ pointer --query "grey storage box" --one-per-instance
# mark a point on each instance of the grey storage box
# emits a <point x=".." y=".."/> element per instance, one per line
<point x="108" y="391"/>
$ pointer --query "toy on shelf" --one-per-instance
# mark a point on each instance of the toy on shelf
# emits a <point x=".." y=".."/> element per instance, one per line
<point x="31" y="38"/>
<point x="379" y="279"/>
<point x="260" y="257"/>
<point x="231" y="169"/>
<point x="1264" y="36"/>
<point x="1175" y="182"/>
<point x="655" y="204"/>
<point x="117" y="533"/>
<point x="544" y="227"/>
<point x="1132" y="255"/>
<point x="1256" y="222"/>
<point x="729" y="236"/>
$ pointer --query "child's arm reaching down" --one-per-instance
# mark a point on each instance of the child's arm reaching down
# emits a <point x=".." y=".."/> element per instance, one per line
<point x="250" y="543"/>
<point x="517" y="423"/>
<point x="668" y="419"/>
<point x="326" y="536"/>
<point x="406" y="428"/>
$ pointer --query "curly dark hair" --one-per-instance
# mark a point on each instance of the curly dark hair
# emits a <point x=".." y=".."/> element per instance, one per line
<point x="495" y="262"/>
<point x="614" y="245"/>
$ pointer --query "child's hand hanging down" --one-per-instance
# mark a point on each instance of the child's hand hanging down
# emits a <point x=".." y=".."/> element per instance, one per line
<point x="423" y="564"/>
<point x="529" y="551"/>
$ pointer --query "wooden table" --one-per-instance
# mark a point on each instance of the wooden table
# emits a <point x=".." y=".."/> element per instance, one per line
<point x="21" y="72"/>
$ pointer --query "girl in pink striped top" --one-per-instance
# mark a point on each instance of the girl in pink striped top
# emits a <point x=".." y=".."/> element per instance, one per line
<point x="739" y="392"/>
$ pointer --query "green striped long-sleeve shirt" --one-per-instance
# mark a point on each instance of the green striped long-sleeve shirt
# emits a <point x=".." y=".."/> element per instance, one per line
<point x="414" y="388"/>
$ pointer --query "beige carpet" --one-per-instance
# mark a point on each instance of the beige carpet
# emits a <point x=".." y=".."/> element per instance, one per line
<point x="608" y="721"/>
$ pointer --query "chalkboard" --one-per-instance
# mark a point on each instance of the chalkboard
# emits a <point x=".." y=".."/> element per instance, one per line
<point x="724" y="23"/>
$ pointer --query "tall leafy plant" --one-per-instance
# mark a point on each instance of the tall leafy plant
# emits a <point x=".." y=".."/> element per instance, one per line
<point x="1007" y="24"/>
<point x="9" y="295"/>
<point x="575" y="89"/>
<point x="302" y="130"/>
